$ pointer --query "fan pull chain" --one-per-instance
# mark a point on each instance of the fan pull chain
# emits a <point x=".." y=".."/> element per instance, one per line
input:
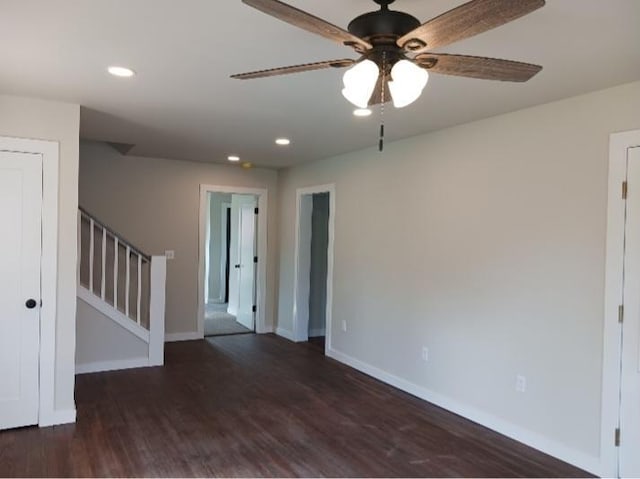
<point x="384" y="83"/>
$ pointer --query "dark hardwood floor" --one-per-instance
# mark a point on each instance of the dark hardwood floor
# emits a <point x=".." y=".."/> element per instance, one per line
<point x="317" y="342"/>
<point x="260" y="406"/>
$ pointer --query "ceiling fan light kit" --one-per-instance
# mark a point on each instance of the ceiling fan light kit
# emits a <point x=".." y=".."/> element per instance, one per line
<point x="407" y="82"/>
<point x="359" y="83"/>
<point x="396" y="49"/>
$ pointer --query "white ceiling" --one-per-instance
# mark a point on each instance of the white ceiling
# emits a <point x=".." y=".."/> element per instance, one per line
<point x="183" y="105"/>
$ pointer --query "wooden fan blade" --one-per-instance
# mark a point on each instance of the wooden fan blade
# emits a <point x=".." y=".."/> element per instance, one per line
<point x="466" y="21"/>
<point x="295" y="69"/>
<point x="477" y="67"/>
<point x="306" y="21"/>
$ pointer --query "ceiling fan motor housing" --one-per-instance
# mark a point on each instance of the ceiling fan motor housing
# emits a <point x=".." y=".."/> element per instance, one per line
<point x="383" y="27"/>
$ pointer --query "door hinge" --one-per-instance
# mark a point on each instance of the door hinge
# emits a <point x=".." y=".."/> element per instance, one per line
<point x="621" y="313"/>
<point x="255" y="259"/>
<point x="256" y="211"/>
<point x="625" y="189"/>
<point x="254" y="308"/>
<point x="617" y="437"/>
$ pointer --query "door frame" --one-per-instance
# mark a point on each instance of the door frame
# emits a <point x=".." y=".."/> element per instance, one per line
<point x="301" y="275"/>
<point x="261" y="283"/>
<point x="47" y="414"/>
<point x="619" y="143"/>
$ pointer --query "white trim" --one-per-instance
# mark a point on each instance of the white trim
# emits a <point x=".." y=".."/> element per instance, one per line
<point x="261" y="286"/>
<point x="285" y="333"/>
<point x="532" y="439"/>
<point x="115" y="365"/>
<point x="188" y="336"/>
<point x="618" y="145"/>
<point x="127" y="323"/>
<point x="49" y="150"/>
<point x="300" y="332"/>
<point x="59" y="416"/>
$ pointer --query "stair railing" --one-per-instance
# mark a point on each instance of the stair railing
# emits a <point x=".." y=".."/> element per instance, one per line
<point x="122" y="282"/>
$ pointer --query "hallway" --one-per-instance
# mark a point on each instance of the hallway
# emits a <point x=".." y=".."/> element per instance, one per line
<point x="218" y="322"/>
<point x="269" y="408"/>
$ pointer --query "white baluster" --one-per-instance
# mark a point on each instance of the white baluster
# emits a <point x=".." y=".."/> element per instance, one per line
<point x="116" y="249"/>
<point x="127" y="286"/>
<point x="139" y="316"/>
<point x="103" y="280"/>
<point x="91" y="252"/>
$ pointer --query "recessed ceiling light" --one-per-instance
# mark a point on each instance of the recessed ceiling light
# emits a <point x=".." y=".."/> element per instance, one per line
<point x="123" y="72"/>
<point x="283" y="141"/>
<point x="233" y="158"/>
<point x="362" y="112"/>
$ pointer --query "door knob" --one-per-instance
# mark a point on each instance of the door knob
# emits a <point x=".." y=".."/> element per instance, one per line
<point x="31" y="303"/>
<point x="237" y="266"/>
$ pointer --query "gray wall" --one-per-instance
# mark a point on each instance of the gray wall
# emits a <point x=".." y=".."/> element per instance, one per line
<point x="318" y="270"/>
<point x="217" y="237"/>
<point x="154" y="203"/>
<point x="486" y="243"/>
<point x="29" y="118"/>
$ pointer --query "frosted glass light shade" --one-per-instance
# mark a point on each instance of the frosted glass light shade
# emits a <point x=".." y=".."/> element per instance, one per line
<point x="360" y="82"/>
<point x="407" y="82"/>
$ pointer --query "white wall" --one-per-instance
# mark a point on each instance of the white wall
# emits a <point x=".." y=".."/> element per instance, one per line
<point x="491" y="253"/>
<point x="154" y="203"/>
<point x="29" y="118"/>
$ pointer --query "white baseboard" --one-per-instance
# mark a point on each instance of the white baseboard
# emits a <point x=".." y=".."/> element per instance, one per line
<point x="57" y="417"/>
<point x="532" y="439"/>
<point x="265" y="330"/>
<point x="316" y="332"/>
<point x="189" y="336"/>
<point x="214" y="301"/>
<point x="102" y="366"/>
<point x="285" y="333"/>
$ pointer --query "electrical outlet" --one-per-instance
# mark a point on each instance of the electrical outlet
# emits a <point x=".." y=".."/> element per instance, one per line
<point x="344" y="325"/>
<point x="170" y="254"/>
<point x="425" y="353"/>
<point x="521" y="383"/>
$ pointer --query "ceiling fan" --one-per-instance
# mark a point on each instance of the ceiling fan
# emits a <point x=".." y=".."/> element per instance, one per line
<point x="396" y="49"/>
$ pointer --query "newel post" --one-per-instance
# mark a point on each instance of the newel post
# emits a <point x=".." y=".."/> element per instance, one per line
<point x="158" y="280"/>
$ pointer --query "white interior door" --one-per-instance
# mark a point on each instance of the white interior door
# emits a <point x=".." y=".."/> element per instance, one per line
<point x="241" y="236"/>
<point x="20" y="243"/>
<point x="630" y="367"/>
<point x="303" y="268"/>
<point x="246" y="280"/>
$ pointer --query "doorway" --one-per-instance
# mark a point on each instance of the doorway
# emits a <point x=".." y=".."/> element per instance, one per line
<point x="232" y="276"/>
<point x="314" y="266"/>
<point x="621" y="368"/>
